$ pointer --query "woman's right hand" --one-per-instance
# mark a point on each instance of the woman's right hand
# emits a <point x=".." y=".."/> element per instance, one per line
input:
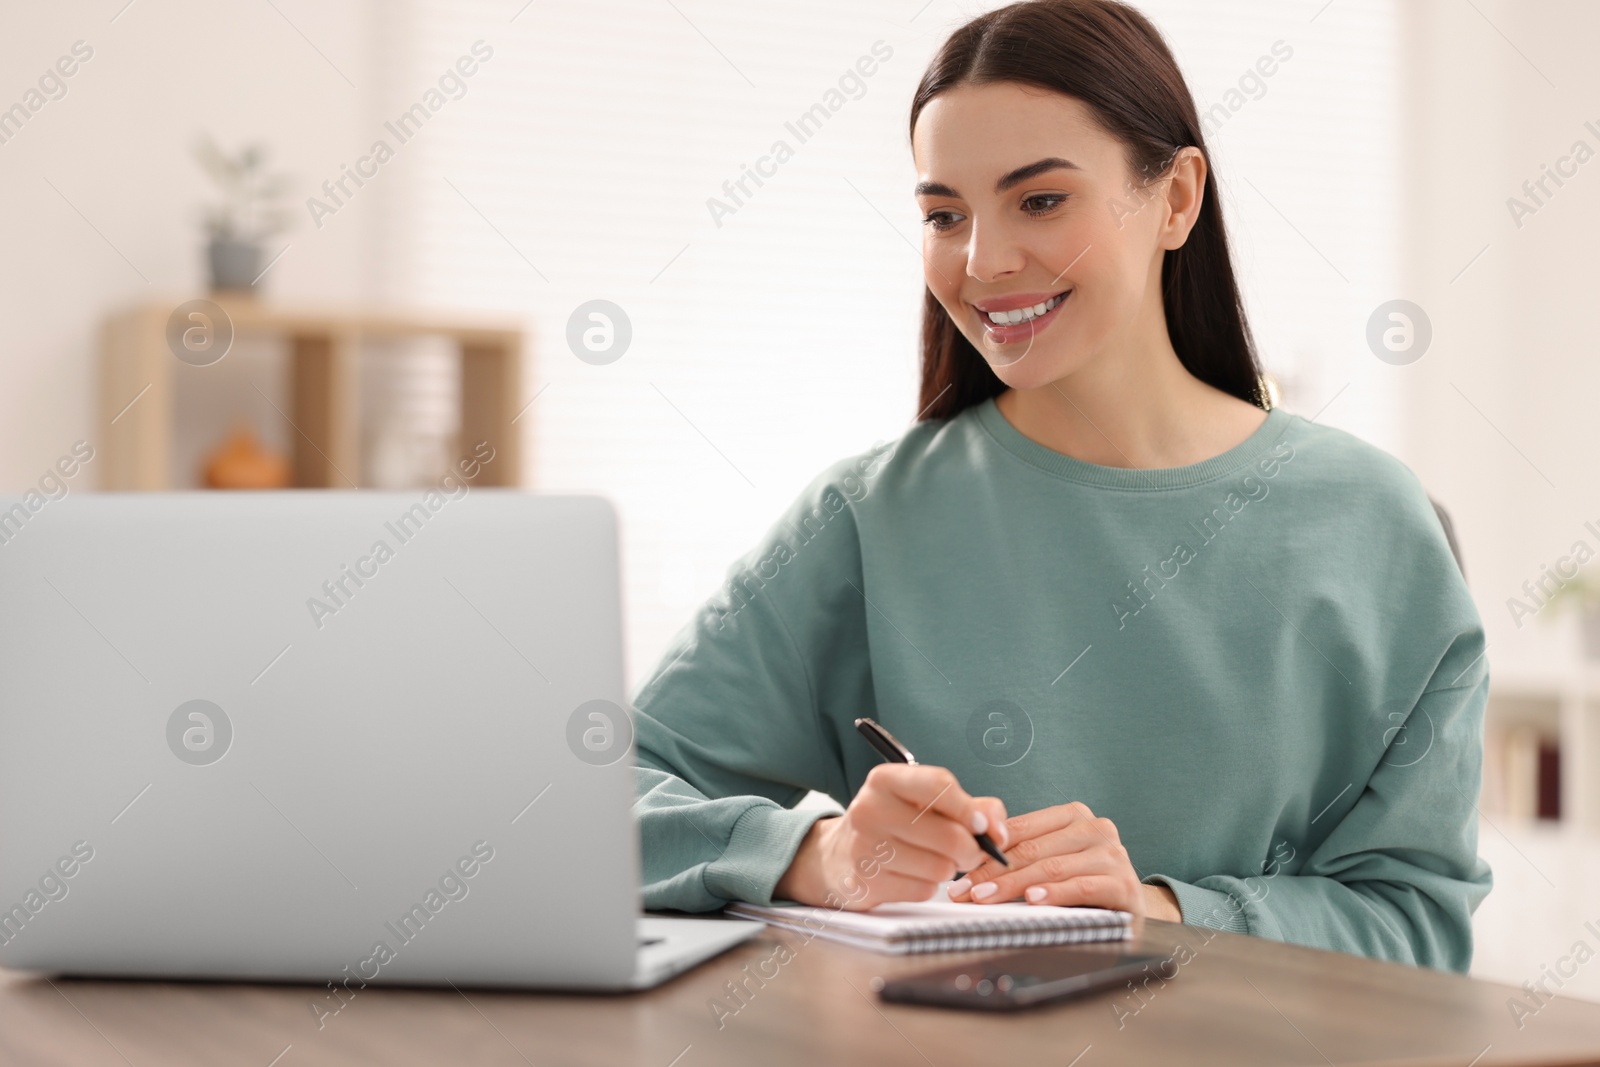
<point x="909" y="828"/>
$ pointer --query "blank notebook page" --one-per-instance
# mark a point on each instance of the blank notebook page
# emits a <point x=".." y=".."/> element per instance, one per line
<point x="935" y="916"/>
<point x="944" y="925"/>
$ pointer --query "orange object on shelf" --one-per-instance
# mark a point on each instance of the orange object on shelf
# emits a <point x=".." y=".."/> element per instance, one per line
<point x="241" y="462"/>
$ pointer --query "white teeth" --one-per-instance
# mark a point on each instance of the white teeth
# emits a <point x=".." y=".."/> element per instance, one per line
<point x="1010" y="318"/>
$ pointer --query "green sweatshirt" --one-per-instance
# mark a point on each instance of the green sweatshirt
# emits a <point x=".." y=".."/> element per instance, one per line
<point x="1264" y="668"/>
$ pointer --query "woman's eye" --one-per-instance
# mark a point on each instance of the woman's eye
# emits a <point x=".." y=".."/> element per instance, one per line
<point x="941" y="220"/>
<point x="1043" y="203"/>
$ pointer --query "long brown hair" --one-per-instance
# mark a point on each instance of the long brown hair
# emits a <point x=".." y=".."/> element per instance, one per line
<point x="1112" y="58"/>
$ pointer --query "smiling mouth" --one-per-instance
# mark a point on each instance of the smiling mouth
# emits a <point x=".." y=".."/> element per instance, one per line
<point x="1005" y="327"/>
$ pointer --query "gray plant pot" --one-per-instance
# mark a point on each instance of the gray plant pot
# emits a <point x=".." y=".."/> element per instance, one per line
<point x="234" y="264"/>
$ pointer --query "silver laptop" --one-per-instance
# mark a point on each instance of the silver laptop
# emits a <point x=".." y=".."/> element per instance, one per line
<point x="358" y="738"/>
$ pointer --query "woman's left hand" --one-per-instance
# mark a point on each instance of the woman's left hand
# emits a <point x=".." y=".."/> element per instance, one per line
<point x="1065" y="855"/>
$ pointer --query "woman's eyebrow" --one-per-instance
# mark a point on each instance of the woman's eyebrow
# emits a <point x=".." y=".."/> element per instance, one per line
<point x="1016" y="177"/>
<point x="1033" y="170"/>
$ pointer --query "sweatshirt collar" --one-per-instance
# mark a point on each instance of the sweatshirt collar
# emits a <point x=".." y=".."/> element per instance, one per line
<point x="1060" y="465"/>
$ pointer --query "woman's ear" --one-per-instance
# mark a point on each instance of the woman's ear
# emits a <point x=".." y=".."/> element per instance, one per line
<point x="1186" y="189"/>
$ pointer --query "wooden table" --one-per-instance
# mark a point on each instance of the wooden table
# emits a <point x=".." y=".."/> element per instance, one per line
<point x="1233" y="1001"/>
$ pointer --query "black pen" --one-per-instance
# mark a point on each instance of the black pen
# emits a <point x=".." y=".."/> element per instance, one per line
<point x="893" y="751"/>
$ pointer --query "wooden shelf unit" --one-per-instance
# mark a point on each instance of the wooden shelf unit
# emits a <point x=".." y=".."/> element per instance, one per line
<point x="1564" y="706"/>
<point x="324" y="387"/>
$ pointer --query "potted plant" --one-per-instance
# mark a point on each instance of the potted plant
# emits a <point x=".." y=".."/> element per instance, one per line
<point x="249" y="213"/>
<point x="1583" y="592"/>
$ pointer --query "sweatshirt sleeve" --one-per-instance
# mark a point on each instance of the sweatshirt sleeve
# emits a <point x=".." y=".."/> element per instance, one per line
<point x="730" y="728"/>
<point x="1398" y="876"/>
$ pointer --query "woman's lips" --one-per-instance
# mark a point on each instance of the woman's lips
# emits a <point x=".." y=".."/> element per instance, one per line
<point x="1021" y="331"/>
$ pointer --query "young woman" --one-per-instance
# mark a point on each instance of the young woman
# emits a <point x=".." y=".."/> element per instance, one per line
<point x="1176" y="651"/>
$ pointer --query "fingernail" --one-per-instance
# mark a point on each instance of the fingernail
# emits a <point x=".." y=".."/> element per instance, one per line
<point x="959" y="886"/>
<point x="1034" y="893"/>
<point x="980" y="822"/>
<point x="984" y="891"/>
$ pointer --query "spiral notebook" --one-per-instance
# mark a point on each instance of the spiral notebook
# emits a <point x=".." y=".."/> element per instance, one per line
<point x="946" y="926"/>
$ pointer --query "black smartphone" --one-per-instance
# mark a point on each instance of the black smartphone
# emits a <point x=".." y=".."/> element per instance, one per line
<point x="1018" y="979"/>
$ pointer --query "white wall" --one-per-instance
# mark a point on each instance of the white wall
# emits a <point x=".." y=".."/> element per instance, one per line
<point x="1309" y="167"/>
<point x="117" y="146"/>
<point x="763" y="348"/>
<point x="1500" y="416"/>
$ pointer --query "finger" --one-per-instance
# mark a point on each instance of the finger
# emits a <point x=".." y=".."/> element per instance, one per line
<point x="1089" y="890"/>
<point x="1074" y="837"/>
<point x="994" y="815"/>
<point x="1093" y="890"/>
<point x="932" y="789"/>
<point x="1046" y="820"/>
<point x="911" y="860"/>
<point x="1056" y="868"/>
<point x="885" y="815"/>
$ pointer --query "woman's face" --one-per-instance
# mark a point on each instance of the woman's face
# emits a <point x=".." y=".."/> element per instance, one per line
<point x="1032" y="217"/>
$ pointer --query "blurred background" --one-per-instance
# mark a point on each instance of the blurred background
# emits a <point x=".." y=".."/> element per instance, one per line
<point x="403" y="215"/>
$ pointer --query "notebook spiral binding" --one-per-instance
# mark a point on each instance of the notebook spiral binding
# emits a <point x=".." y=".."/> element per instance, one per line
<point x="989" y="934"/>
<point x="1029" y="939"/>
<point x="1007" y="925"/>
